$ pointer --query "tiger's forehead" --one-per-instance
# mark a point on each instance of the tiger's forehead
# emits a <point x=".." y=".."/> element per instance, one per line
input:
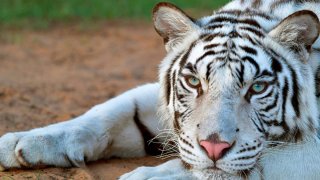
<point x="226" y="51"/>
<point x="232" y="41"/>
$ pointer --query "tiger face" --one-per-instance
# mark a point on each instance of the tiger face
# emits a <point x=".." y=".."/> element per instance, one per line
<point x="229" y="88"/>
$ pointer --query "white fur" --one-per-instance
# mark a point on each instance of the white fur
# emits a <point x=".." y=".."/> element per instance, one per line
<point x="108" y="129"/>
<point x="295" y="162"/>
<point x="172" y="169"/>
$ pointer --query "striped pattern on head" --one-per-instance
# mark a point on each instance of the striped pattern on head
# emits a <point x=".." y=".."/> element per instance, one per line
<point x="226" y="79"/>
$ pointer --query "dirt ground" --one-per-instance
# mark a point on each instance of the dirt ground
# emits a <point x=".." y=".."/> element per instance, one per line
<point x="49" y="76"/>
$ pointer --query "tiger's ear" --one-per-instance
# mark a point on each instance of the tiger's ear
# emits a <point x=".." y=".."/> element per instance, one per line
<point x="172" y="24"/>
<point x="298" y="31"/>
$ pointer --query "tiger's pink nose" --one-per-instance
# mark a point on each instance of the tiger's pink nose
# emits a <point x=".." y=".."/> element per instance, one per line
<point x="215" y="150"/>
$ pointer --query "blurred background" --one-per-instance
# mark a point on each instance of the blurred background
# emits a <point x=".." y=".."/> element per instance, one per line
<point x="58" y="58"/>
<point x="42" y="13"/>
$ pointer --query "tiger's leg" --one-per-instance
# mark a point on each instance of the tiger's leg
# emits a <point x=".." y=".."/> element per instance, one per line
<point x="173" y="169"/>
<point x="108" y="129"/>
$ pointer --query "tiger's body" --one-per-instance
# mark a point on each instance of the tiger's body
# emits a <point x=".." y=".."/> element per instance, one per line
<point x="237" y="96"/>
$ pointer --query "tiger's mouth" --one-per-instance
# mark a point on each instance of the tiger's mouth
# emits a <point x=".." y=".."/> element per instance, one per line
<point x="226" y="170"/>
<point x="237" y="162"/>
<point x="237" y="159"/>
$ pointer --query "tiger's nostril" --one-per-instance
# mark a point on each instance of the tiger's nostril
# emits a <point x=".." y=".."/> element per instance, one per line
<point x="215" y="150"/>
<point x="214" y="147"/>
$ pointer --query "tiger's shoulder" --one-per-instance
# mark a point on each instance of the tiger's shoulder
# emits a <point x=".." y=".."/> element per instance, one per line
<point x="294" y="161"/>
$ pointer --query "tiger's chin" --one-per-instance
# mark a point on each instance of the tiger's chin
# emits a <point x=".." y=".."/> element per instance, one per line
<point x="221" y="172"/>
<point x="216" y="174"/>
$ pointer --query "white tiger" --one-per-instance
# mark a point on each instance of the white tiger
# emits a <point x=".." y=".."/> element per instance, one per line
<point x="237" y="93"/>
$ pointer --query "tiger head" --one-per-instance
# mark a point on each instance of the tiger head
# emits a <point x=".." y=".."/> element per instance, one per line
<point x="230" y="88"/>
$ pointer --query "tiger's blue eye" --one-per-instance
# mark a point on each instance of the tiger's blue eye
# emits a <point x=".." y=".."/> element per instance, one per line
<point x="258" y="88"/>
<point x="193" y="81"/>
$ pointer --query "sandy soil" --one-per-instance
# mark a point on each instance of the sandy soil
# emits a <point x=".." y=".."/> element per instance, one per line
<point x="53" y="75"/>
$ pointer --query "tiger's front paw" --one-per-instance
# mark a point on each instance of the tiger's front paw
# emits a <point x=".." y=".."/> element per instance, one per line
<point x="42" y="147"/>
<point x="8" y="158"/>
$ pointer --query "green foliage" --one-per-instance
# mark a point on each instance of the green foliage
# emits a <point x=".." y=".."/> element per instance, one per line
<point x="43" y="12"/>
